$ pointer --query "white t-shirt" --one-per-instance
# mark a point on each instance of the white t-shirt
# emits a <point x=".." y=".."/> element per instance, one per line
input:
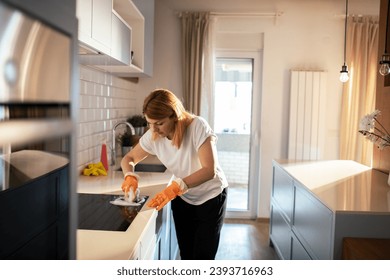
<point x="185" y="161"/>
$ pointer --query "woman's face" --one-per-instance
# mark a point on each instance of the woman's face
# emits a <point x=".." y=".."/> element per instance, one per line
<point x="164" y="127"/>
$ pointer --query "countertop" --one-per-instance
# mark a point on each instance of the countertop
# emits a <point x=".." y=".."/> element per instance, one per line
<point x="342" y="185"/>
<point x="115" y="245"/>
<point x="23" y="166"/>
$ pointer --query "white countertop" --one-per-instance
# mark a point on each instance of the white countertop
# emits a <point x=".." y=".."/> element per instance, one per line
<point x="342" y="185"/>
<point x="117" y="245"/>
<point x="111" y="184"/>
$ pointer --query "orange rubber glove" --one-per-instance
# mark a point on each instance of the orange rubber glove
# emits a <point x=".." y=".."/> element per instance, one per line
<point x="176" y="188"/>
<point x="130" y="182"/>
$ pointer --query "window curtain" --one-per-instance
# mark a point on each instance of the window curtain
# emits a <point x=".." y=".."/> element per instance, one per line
<point x="358" y="97"/>
<point x="195" y="30"/>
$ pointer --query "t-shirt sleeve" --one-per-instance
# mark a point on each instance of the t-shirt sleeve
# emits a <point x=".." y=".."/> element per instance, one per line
<point x="202" y="131"/>
<point x="146" y="142"/>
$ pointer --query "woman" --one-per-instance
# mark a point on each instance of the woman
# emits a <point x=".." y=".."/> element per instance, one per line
<point x="185" y="144"/>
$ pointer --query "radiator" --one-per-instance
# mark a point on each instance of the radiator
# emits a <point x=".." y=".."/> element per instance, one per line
<point x="307" y="115"/>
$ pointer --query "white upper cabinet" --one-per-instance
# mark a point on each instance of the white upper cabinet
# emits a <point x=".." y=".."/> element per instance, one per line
<point x="95" y="24"/>
<point x="125" y="35"/>
<point x="121" y="40"/>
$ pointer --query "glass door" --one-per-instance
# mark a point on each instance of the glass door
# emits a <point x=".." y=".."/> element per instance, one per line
<point x="234" y="88"/>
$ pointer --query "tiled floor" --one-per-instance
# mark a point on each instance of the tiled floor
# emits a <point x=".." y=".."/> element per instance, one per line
<point x="245" y="240"/>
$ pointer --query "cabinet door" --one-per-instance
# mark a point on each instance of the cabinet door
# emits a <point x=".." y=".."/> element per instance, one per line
<point x="25" y="212"/>
<point x="148" y="239"/>
<point x="298" y="252"/>
<point x="120" y="48"/>
<point x="34" y="219"/>
<point x="313" y="224"/>
<point x="283" y="192"/>
<point x="84" y="15"/>
<point x="95" y="24"/>
<point x="280" y="233"/>
<point x="149" y="252"/>
<point x="101" y="21"/>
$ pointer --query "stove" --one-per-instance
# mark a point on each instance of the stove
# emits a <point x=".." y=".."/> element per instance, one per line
<point x="97" y="213"/>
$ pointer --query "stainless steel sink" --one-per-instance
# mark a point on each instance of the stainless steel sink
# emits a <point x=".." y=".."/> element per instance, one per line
<point x="148" y="168"/>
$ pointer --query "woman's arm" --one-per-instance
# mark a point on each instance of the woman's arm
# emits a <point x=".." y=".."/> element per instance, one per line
<point x="207" y="155"/>
<point x="135" y="155"/>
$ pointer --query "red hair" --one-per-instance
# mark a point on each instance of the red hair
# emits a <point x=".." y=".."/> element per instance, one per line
<point x="161" y="104"/>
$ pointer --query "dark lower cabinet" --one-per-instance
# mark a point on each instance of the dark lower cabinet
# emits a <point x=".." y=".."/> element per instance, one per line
<point x="34" y="218"/>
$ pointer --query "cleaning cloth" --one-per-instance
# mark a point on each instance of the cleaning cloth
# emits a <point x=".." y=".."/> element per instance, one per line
<point x="95" y="169"/>
<point x="122" y="201"/>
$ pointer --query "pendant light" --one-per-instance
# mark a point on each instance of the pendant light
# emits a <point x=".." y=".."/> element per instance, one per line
<point x="385" y="60"/>
<point x="344" y="69"/>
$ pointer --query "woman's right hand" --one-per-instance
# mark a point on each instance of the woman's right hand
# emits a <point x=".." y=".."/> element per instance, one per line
<point x="130" y="182"/>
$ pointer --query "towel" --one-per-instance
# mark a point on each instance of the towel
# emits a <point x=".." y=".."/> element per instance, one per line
<point x="95" y="169"/>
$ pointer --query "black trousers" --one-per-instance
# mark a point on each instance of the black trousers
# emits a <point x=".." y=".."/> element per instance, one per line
<point x="198" y="227"/>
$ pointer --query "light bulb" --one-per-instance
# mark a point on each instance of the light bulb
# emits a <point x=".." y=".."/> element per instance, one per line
<point x="384" y="69"/>
<point x="344" y="74"/>
<point x="344" y="77"/>
<point x="385" y="64"/>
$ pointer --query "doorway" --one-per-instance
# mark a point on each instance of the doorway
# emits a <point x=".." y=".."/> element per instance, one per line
<point x="236" y="123"/>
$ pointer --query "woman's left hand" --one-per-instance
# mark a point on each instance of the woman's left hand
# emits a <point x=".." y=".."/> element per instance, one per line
<point x="169" y="193"/>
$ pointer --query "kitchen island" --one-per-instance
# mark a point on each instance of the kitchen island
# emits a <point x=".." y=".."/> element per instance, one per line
<point x="139" y="240"/>
<point x="316" y="204"/>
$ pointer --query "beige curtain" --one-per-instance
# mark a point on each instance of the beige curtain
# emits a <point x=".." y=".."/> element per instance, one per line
<point x="195" y="40"/>
<point x="358" y="97"/>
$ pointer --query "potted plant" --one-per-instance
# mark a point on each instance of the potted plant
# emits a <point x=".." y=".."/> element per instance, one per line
<point x="127" y="141"/>
<point x="139" y="123"/>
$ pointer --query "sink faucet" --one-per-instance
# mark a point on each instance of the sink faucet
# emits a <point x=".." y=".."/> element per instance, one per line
<point x="113" y="151"/>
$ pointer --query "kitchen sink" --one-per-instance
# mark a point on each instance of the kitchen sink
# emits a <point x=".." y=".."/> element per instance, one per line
<point x="148" y="168"/>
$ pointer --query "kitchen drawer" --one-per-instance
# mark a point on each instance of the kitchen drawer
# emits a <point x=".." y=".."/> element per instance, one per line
<point x="313" y="224"/>
<point x="283" y="191"/>
<point x="298" y="252"/>
<point x="280" y="233"/>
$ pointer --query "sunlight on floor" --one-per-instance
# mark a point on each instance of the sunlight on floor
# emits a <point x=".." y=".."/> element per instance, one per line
<point x="245" y="240"/>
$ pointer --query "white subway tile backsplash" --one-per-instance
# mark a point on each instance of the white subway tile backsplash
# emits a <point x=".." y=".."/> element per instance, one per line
<point x="104" y="101"/>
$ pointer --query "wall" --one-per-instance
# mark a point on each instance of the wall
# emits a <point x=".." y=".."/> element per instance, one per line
<point x="382" y="158"/>
<point x="309" y="35"/>
<point x="104" y="100"/>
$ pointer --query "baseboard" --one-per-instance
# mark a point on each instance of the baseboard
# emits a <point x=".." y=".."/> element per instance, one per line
<point x="257" y="220"/>
<point x="262" y="220"/>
